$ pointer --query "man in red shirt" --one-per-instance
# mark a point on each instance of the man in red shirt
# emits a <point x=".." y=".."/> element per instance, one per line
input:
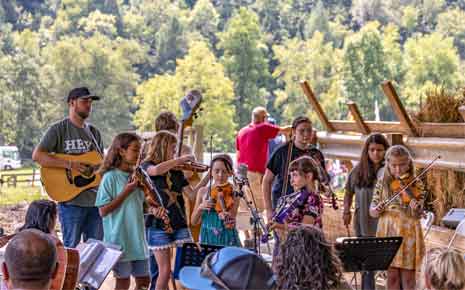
<point x="252" y="150"/>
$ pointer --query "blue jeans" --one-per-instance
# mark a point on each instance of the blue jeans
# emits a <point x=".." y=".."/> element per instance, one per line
<point x="77" y="221"/>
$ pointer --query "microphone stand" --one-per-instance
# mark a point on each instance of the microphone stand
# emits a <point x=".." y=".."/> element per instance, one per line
<point x="255" y="219"/>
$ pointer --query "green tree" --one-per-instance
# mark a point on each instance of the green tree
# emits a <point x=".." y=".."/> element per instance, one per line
<point x="23" y="97"/>
<point x="364" y="70"/>
<point x="205" y="20"/>
<point x="200" y="70"/>
<point x="106" y="67"/>
<point x="318" y="21"/>
<point x="431" y="59"/>
<point x="312" y="60"/>
<point x="245" y="62"/>
<point x="160" y="27"/>
<point x="272" y="22"/>
<point x="451" y="23"/>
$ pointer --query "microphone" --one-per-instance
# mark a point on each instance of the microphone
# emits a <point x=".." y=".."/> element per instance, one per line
<point x="241" y="174"/>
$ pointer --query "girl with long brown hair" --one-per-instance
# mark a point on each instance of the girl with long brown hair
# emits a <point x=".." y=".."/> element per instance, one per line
<point x="161" y="164"/>
<point x="361" y="183"/>
<point x="120" y="202"/>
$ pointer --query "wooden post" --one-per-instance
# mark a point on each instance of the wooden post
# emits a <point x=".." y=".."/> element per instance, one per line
<point x="395" y="139"/>
<point x="358" y="118"/>
<point x="398" y="108"/>
<point x="316" y="106"/>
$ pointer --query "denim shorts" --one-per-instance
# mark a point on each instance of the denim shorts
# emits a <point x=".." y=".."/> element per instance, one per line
<point x="158" y="239"/>
<point x="125" y="269"/>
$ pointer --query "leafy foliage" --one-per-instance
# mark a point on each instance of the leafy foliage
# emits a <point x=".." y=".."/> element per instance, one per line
<point x="143" y="55"/>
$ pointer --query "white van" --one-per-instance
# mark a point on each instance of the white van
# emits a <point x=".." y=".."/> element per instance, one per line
<point x="9" y="158"/>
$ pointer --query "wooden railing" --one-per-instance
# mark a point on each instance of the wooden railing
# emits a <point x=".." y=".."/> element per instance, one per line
<point x="12" y="179"/>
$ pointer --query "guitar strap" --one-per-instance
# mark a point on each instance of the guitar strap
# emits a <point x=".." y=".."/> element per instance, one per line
<point x="91" y="135"/>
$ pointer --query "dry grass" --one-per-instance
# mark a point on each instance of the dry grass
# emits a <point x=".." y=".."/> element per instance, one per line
<point x="441" y="106"/>
<point x="447" y="187"/>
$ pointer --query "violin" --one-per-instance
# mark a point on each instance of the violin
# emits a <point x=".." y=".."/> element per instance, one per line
<point x="286" y="205"/>
<point x="224" y="202"/>
<point x="410" y="192"/>
<point x="152" y="196"/>
<point x="404" y="185"/>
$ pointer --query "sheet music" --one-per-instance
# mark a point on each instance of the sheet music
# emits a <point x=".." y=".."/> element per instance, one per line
<point x="97" y="260"/>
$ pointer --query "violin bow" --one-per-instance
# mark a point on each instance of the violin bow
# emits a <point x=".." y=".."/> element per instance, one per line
<point x="286" y="168"/>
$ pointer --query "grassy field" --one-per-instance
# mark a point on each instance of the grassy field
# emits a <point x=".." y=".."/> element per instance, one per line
<point x="23" y="192"/>
<point x="15" y="195"/>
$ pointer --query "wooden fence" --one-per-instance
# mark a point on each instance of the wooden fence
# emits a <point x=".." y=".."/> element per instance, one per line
<point x="13" y="179"/>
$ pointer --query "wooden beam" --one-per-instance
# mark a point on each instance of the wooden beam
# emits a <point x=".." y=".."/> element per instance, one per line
<point x="445" y="130"/>
<point x="462" y="111"/>
<point x="316" y="106"/>
<point x="358" y="118"/>
<point x="398" y="108"/>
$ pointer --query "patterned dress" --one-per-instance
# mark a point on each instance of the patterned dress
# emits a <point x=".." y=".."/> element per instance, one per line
<point x="213" y="230"/>
<point x="398" y="219"/>
<point x="313" y="207"/>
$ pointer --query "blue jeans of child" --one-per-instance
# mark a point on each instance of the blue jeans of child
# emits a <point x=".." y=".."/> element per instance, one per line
<point x="77" y="221"/>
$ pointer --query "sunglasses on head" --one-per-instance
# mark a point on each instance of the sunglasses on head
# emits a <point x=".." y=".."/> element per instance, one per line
<point x="207" y="272"/>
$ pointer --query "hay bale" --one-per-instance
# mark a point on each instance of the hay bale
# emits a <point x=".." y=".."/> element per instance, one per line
<point x="441" y="106"/>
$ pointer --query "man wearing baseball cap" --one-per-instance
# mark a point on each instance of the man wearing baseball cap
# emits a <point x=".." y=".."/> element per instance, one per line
<point x="73" y="136"/>
<point x="229" y="268"/>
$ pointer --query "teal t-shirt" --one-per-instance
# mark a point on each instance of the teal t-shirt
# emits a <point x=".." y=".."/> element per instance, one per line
<point x="125" y="225"/>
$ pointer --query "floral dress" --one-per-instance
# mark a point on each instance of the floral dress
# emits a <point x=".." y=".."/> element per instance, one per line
<point x="214" y="232"/>
<point x="313" y="206"/>
<point x="398" y="219"/>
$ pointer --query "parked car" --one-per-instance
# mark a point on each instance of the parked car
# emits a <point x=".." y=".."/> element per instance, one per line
<point x="9" y="158"/>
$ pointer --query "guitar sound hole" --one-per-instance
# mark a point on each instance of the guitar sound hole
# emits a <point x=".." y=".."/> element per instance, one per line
<point x="81" y="181"/>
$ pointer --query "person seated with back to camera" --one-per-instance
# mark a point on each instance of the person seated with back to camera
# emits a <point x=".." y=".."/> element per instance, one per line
<point x="443" y="269"/>
<point x="307" y="261"/>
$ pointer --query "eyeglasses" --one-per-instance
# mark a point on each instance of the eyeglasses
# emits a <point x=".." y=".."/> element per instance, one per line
<point x="206" y="271"/>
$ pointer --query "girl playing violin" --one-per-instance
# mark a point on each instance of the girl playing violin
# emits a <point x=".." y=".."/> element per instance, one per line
<point x="401" y="217"/>
<point x="161" y="164"/>
<point x="304" y="174"/>
<point x="216" y="206"/>
<point x="120" y="202"/>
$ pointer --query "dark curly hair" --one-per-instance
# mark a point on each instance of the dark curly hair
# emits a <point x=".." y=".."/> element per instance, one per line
<point x="307" y="261"/>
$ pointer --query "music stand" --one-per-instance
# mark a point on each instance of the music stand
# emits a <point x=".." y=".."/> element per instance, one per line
<point x="367" y="254"/>
<point x="191" y="256"/>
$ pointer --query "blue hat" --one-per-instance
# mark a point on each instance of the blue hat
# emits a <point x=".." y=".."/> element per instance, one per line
<point x="237" y="268"/>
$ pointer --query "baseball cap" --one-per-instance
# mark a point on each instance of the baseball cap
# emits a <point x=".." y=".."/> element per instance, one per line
<point x="81" y="92"/>
<point x="229" y="268"/>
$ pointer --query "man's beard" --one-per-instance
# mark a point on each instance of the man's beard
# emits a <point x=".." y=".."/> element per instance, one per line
<point x="83" y="115"/>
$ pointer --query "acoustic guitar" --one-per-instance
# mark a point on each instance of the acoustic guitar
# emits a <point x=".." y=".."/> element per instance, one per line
<point x="63" y="184"/>
<point x="68" y="265"/>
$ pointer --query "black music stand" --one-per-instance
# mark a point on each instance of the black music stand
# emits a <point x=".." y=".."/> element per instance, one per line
<point x="367" y="254"/>
<point x="191" y="255"/>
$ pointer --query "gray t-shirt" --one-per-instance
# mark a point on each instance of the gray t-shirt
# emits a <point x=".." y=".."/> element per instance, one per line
<point x="65" y="138"/>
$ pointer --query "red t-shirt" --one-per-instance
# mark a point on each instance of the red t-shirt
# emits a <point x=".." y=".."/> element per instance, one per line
<point x="252" y="144"/>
